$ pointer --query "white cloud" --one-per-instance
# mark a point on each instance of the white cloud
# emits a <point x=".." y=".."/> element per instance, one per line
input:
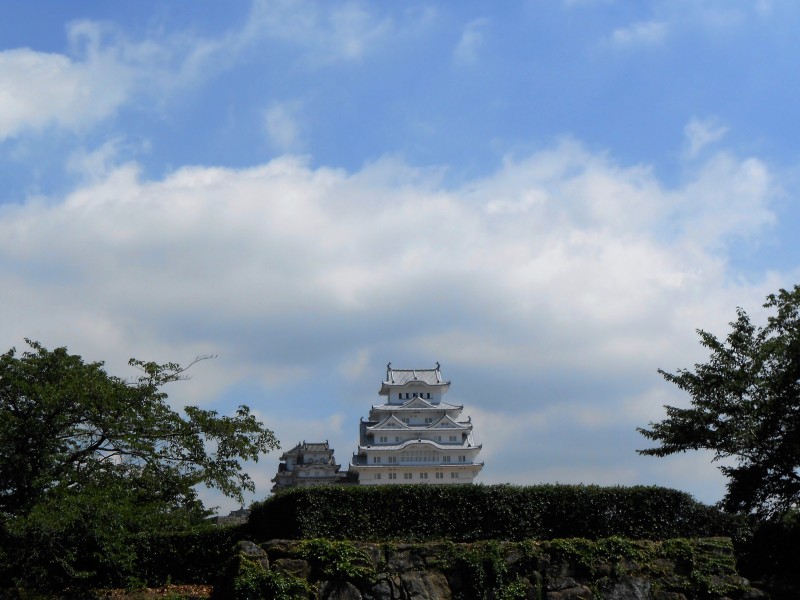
<point x="354" y="367"/>
<point x="102" y="72"/>
<point x="562" y="267"/>
<point x="602" y="247"/>
<point x="645" y="32"/>
<point x="96" y="163"/>
<point x="42" y="89"/>
<point x="734" y="209"/>
<point x="329" y="32"/>
<point x="700" y="133"/>
<point x="280" y="121"/>
<point x="470" y="42"/>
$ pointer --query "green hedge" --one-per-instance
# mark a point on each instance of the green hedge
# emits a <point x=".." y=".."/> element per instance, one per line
<point x="197" y="556"/>
<point x="480" y="512"/>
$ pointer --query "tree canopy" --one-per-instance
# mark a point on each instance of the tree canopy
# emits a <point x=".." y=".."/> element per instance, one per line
<point x="745" y="408"/>
<point x="87" y="458"/>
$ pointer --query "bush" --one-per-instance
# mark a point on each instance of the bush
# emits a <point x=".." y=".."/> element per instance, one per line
<point x="197" y="556"/>
<point x="771" y="557"/>
<point x="477" y="512"/>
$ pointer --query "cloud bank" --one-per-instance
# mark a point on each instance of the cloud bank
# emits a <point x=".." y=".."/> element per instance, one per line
<point x="551" y="290"/>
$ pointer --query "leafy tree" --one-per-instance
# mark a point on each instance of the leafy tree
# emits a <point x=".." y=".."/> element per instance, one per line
<point x="88" y="459"/>
<point x="745" y="408"/>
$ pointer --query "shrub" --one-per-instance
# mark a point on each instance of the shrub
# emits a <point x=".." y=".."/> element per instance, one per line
<point x="478" y="512"/>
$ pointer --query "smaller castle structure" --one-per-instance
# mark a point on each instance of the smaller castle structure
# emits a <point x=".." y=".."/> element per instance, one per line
<point x="307" y="464"/>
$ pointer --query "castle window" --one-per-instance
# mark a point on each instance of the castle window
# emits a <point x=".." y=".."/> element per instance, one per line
<point x="462" y="458"/>
<point x="415" y="394"/>
<point x="377" y="475"/>
<point x="429" y="395"/>
<point x="392" y="475"/>
<point x="440" y="476"/>
<point x="392" y="459"/>
<point x="376" y="459"/>
<point x="400" y="396"/>
<point x="446" y="458"/>
<point x="406" y="395"/>
<point x="453" y="438"/>
<point x="406" y="475"/>
<point x="453" y="475"/>
<point x="384" y="439"/>
<point x="423" y="475"/>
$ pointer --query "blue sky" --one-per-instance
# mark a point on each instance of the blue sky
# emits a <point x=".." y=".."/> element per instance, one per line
<point x="548" y="197"/>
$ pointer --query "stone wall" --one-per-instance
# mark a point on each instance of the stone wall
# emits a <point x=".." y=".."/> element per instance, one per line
<point x="613" y="569"/>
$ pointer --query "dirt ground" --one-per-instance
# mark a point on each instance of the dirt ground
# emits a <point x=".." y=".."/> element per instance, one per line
<point x="170" y="592"/>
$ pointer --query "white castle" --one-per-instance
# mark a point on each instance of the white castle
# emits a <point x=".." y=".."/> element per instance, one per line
<point x="415" y="437"/>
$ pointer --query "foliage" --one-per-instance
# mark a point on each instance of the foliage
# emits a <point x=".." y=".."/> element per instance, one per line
<point x="593" y="556"/>
<point x="696" y="568"/>
<point x="89" y="460"/>
<point x="745" y="408"/>
<point x="196" y="556"/>
<point x="337" y="560"/>
<point x="705" y="564"/>
<point x="772" y="556"/>
<point x="478" y="512"/>
<point x="486" y="570"/>
<point x="495" y="570"/>
<point x="254" y="582"/>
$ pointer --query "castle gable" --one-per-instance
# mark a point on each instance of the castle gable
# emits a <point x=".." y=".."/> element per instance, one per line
<point x="390" y="422"/>
<point x="447" y="423"/>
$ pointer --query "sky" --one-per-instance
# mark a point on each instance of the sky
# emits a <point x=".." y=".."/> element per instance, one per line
<point x="548" y="197"/>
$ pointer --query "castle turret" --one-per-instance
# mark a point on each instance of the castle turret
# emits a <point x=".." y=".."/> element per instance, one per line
<point x="307" y="464"/>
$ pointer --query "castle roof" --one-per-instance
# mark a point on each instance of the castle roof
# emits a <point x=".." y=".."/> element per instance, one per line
<point x="401" y="377"/>
<point x="420" y="442"/>
<point x="307" y="447"/>
<point x="392" y="422"/>
<point x="416" y="404"/>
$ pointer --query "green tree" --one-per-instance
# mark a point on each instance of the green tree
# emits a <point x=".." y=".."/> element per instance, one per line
<point x="88" y="459"/>
<point x="745" y="408"/>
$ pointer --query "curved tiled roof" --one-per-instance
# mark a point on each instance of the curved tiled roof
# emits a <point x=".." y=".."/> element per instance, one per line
<point x="411" y="405"/>
<point x="384" y="425"/>
<point x="401" y="376"/>
<point x="303" y="447"/>
<point x="419" y="442"/>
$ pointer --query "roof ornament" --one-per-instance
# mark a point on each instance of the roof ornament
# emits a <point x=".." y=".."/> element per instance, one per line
<point x="437" y="365"/>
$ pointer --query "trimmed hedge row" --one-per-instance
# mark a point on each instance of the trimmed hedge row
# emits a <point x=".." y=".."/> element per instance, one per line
<point x="481" y="512"/>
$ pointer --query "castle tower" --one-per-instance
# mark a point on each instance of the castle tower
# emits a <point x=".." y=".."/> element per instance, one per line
<point x="414" y="436"/>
